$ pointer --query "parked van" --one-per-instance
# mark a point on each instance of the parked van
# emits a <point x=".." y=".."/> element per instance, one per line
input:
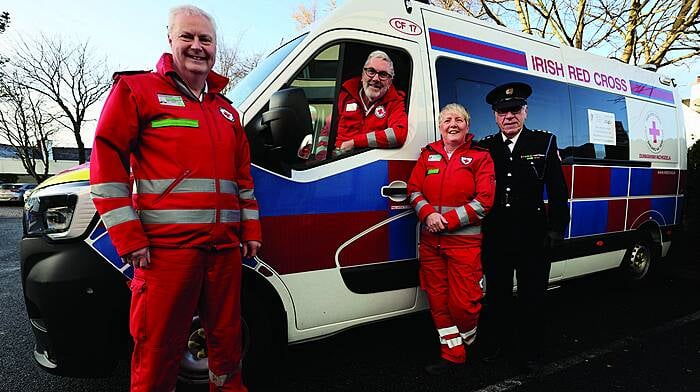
<point x="340" y="238"/>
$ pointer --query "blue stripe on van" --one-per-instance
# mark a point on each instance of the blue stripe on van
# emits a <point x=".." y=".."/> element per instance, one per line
<point x="640" y="183"/>
<point x="589" y="217"/>
<point x="666" y="206"/>
<point x="401" y="232"/>
<point x="355" y="190"/>
<point x="618" y="181"/>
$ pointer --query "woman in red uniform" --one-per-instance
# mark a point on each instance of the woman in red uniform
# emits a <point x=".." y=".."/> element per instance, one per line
<point x="452" y="188"/>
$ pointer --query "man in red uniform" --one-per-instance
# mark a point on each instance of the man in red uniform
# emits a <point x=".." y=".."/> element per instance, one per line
<point x="193" y="209"/>
<point x="372" y="112"/>
<point x="452" y="188"/>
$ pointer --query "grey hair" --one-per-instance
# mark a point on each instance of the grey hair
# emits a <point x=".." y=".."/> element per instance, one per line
<point x="455" y="108"/>
<point x="378" y="54"/>
<point x="188" y="10"/>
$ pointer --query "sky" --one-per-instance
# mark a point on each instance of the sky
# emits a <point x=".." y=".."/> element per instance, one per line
<point x="132" y="33"/>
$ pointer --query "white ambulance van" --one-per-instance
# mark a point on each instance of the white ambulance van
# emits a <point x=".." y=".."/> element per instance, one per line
<point x="340" y="239"/>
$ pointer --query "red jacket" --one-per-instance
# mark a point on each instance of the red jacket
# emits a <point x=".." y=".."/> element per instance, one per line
<point x="385" y="126"/>
<point x="189" y="160"/>
<point x="461" y="188"/>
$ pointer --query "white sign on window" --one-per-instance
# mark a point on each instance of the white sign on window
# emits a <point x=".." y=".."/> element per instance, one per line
<point x="601" y="127"/>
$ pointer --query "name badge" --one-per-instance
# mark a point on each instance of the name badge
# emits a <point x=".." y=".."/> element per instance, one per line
<point x="171" y="100"/>
<point x="351" y="107"/>
<point x="434" y="158"/>
<point x="433" y="171"/>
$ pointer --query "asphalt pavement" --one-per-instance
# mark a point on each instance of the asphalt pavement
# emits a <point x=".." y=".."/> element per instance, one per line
<point x="604" y="336"/>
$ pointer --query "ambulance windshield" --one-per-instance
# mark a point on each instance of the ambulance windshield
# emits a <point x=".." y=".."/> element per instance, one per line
<point x="246" y="86"/>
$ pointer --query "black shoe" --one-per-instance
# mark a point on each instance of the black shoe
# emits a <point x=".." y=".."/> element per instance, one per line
<point x="493" y="355"/>
<point x="442" y="366"/>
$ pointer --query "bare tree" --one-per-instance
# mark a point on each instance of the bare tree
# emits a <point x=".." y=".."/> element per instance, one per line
<point x="233" y="63"/>
<point x="305" y="16"/>
<point x="67" y="75"/>
<point x="26" y="126"/>
<point x="4" y="20"/>
<point x="657" y="32"/>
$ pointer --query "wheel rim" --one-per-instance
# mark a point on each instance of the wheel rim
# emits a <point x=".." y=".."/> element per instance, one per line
<point x="639" y="261"/>
<point x="194" y="369"/>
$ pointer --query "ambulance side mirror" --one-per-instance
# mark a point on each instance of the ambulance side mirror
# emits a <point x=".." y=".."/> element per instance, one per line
<point x="288" y="120"/>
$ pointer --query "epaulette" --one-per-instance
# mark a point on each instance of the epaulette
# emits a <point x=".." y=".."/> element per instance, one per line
<point x="118" y="74"/>
<point x="540" y="131"/>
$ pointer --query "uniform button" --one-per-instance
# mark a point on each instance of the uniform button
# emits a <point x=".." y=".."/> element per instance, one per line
<point x="539" y="209"/>
<point x="532" y="163"/>
<point x="510" y="175"/>
<point x="507" y="189"/>
<point x="511" y="158"/>
<point x="507" y="204"/>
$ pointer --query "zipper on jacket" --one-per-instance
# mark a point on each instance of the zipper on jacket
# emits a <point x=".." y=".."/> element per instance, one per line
<point x="172" y="186"/>
<point x="207" y="118"/>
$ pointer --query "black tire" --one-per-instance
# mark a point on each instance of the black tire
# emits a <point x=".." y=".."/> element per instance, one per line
<point x="639" y="261"/>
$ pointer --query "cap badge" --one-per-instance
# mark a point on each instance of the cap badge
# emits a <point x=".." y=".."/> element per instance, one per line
<point x="509" y="91"/>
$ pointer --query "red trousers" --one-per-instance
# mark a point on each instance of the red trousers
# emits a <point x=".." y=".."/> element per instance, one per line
<point x="164" y="298"/>
<point x="451" y="278"/>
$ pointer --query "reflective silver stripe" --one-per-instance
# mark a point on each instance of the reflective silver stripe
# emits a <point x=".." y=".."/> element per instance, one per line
<point x="448" y="331"/>
<point x="321" y="148"/>
<point x="230" y="216"/>
<point x="391" y="137"/>
<point x="246" y="194"/>
<point x="247" y="214"/>
<point x="323" y="138"/>
<point x="414" y="196"/>
<point x="462" y="215"/>
<point x="188" y="185"/>
<point x="456" y="341"/>
<point x="119" y="215"/>
<point x="177" y="216"/>
<point x="420" y="205"/>
<point x="478" y="208"/>
<point x="109" y="190"/>
<point x="371" y="139"/>
<point x="468" y="337"/>
<point x="466" y="230"/>
<point x="228" y="186"/>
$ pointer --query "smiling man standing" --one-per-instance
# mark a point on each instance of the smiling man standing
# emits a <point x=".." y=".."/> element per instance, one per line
<point x="520" y="230"/>
<point x="193" y="214"/>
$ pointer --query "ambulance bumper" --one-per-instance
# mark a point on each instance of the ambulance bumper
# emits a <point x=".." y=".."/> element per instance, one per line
<point x="77" y="306"/>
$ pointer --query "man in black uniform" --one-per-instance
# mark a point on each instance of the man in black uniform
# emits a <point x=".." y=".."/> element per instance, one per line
<point x="519" y="230"/>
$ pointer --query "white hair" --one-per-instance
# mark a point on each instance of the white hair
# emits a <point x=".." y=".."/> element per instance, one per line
<point x="378" y="54"/>
<point x="188" y="10"/>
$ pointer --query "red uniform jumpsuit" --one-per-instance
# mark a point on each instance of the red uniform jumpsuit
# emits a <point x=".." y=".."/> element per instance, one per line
<point x="383" y="125"/>
<point x="193" y="205"/>
<point x="461" y="188"/>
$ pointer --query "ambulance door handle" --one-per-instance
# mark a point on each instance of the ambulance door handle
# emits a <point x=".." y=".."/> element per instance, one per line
<point x="396" y="191"/>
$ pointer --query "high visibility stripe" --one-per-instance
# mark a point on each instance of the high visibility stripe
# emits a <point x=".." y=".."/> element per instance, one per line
<point x="372" y="139"/>
<point x="230" y="216"/>
<point x="246" y="194"/>
<point x="420" y="205"/>
<point x="466" y="230"/>
<point x="478" y="208"/>
<point x="468" y="337"/>
<point x="323" y="138"/>
<point x="177" y="216"/>
<point x="228" y="186"/>
<point x="119" y="215"/>
<point x="188" y="185"/>
<point x="462" y="215"/>
<point x="448" y="331"/>
<point x="391" y="137"/>
<point x="321" y="148"/>
<point x="247" y="214"/>
<point x="175" y="122"/>
<point x="110" y="190"/>
<point x="414" y="196"/>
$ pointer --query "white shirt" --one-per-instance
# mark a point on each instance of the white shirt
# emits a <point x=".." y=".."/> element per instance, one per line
<point x="514" y="140"/>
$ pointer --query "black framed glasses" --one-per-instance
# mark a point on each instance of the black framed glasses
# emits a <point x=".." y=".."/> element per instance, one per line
<point x="383" y="75"/>
<point x="512" y="110"/>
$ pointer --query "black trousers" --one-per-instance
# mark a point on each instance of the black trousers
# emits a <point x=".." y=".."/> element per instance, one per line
<point x="522" y="317"/>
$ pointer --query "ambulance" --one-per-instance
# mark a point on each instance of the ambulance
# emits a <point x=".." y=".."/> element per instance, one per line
<point x="340" y="238"/>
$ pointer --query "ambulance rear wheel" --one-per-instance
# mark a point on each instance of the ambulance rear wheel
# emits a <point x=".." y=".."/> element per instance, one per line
<point x="638" y="261"/>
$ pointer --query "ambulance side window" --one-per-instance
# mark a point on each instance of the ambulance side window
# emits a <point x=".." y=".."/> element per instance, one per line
<point x="468" y="83"/>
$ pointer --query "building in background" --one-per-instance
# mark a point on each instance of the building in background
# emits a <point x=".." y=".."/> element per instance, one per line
<point x="62" y="158"/>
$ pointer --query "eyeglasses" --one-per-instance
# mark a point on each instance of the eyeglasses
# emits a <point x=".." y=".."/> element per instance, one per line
<point x="512" y="110"/>
<point x="383" y="75"/>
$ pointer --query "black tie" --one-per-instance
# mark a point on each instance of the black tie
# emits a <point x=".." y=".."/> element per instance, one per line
<point x="507" y="143"/>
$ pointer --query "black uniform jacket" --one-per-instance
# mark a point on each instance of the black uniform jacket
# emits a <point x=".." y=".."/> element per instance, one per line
<point x="520" y="180"/>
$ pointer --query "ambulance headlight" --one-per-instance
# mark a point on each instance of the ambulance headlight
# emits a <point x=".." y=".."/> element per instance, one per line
<point x="49" y="214"/>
